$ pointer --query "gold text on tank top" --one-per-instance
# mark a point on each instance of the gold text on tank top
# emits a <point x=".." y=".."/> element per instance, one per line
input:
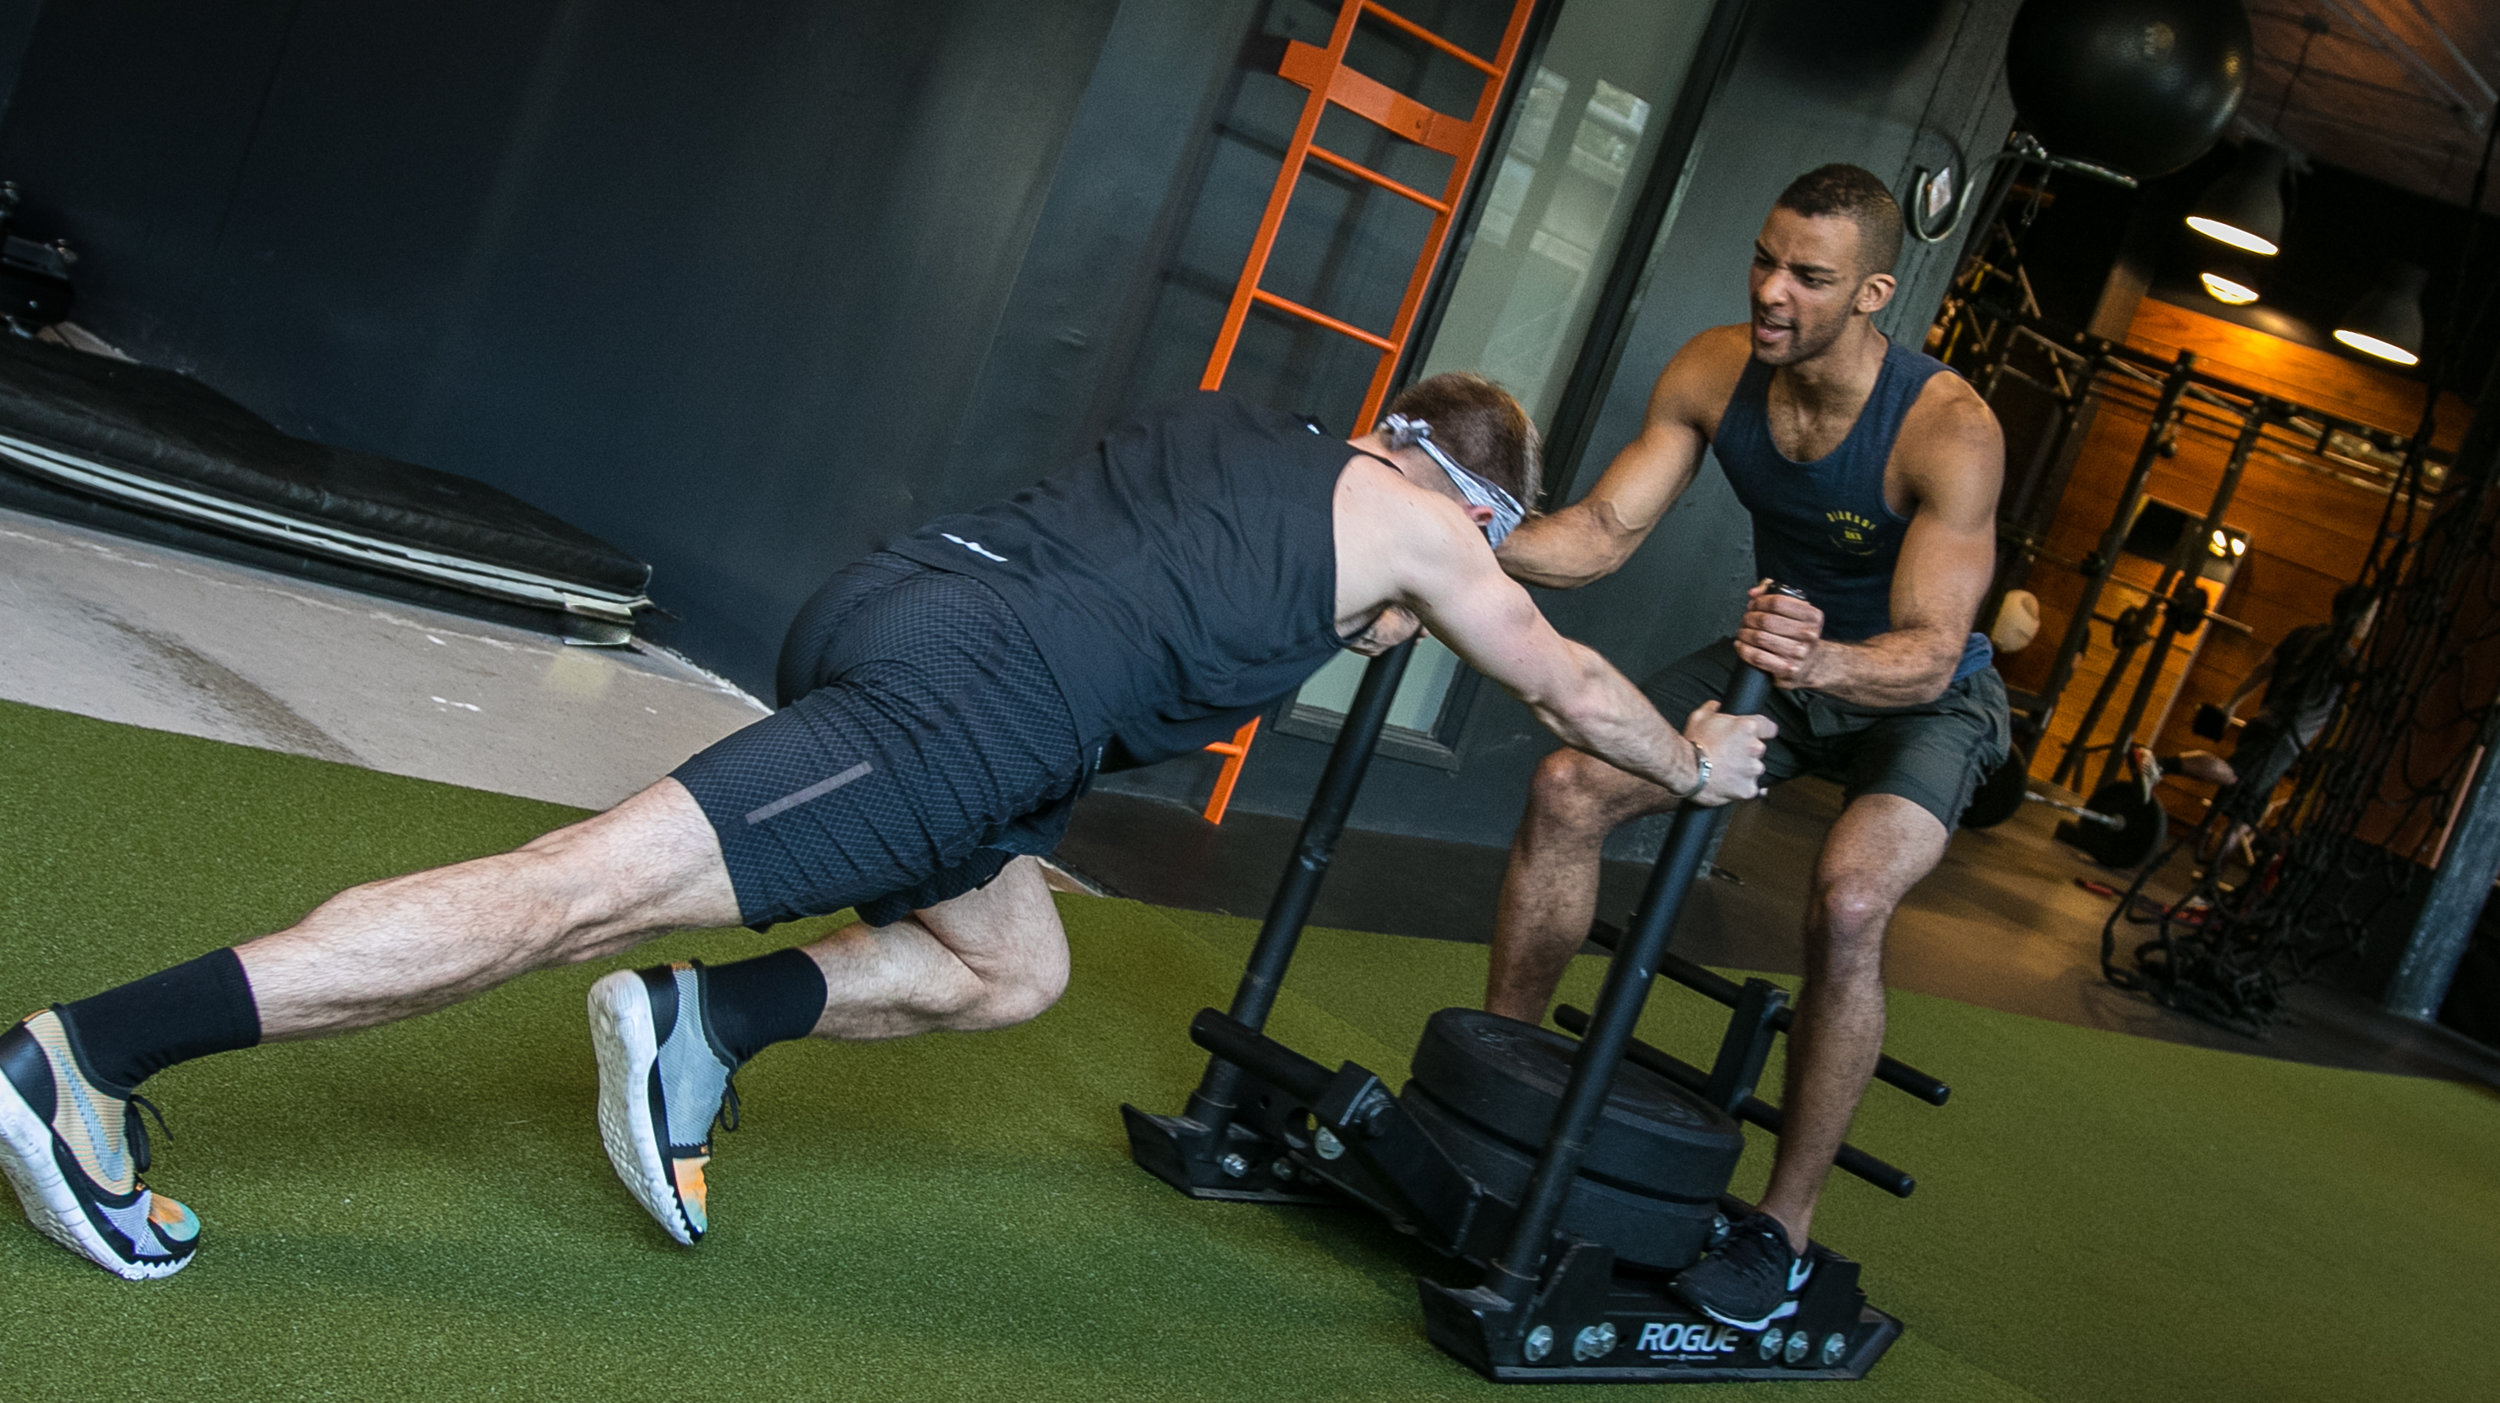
<point x="1852" y="534"/>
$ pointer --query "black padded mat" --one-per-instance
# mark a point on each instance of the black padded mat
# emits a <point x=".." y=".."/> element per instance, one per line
<point x="168" y="427"/>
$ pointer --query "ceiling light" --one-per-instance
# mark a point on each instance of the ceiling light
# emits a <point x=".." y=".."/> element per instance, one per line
<point x="2245" y="208"/>
<point x="2227" y="291"/>
<point x="2388" y="322"/>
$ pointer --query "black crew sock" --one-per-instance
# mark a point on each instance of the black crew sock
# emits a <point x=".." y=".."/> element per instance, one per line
<point x="755" y="1003"/>
<point x="126" y="1035"/>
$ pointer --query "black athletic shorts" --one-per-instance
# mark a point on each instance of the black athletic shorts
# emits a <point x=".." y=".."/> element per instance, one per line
<point x="1933" y="755"/>
<point x="920" y="747"/>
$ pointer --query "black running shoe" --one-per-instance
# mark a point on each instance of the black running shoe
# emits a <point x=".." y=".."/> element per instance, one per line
<point x="1752" y="1280"/>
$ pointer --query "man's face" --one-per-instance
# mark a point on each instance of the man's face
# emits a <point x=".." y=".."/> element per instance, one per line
<point x="1806" y="284"/>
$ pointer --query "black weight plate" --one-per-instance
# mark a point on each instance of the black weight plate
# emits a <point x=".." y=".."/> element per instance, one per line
<point x="1664" y="1233"/>
<point x="2129" y="846"/>
<point x="2000" y="795"/>
<point x="1508" y="1076"/>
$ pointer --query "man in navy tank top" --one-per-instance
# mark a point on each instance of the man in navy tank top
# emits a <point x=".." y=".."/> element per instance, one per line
<point x="944" y="701"/>
<point x="1871" y="473"/>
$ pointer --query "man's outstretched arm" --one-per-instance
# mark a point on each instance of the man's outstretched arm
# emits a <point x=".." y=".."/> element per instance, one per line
<point x="1591" y="538"/>
<point x="1452" y="582"/>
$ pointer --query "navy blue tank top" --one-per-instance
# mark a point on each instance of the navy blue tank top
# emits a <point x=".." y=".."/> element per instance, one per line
<point x="1824" y="526"/>
<point x="1178" y="579"/>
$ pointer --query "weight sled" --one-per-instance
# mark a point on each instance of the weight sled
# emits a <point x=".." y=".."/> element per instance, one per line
<point x="1564" y="1183"/>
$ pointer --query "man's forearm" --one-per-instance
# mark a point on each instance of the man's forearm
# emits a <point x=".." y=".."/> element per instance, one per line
<point x="1606" y="716"/>
<point x="1902" y="668"/>
<point x="1561" y="550"/>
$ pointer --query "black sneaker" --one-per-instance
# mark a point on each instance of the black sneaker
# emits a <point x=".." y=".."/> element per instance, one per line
<point x="1752" y="1280"/>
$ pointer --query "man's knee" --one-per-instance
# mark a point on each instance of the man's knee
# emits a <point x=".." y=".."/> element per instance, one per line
<point x="1007" y="937"/>
<point x="1017" y="994"/>
<point x="1849" y="922"/>
<point x="1571" y="795"/>
<point x="1855" y="910"/>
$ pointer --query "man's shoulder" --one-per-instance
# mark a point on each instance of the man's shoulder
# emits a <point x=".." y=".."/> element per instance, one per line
<point x="1945" y="399"/>
<point x="1699" y="378"/>
<point x="1716" y="356"/>
<point x="2297" y="644"/>
<point x="1949" y="428"/>
<point x="1391" y="510"/>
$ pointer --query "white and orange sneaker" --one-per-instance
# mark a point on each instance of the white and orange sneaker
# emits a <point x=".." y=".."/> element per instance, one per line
<point x="74" y="1149"/>
<point x="664" y="1082"/>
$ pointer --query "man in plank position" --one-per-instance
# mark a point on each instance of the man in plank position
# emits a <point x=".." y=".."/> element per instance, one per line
<point x="1871" y="474"/>
<point x="945" y="702"/>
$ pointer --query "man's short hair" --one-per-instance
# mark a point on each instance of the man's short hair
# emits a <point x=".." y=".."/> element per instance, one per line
<point x="1855" y="192"/>
<point x="1478" y="423"/>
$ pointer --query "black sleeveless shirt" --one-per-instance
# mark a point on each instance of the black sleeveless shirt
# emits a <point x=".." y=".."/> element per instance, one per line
<point x="1178" y="579"/>
<point x="1824" y="526"/>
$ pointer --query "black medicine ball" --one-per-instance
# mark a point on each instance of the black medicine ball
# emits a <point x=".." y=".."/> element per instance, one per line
<point x="2146" y="86"/>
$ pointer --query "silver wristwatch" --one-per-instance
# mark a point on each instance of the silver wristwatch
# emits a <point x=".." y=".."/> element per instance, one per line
<point x="1701" y="773"/>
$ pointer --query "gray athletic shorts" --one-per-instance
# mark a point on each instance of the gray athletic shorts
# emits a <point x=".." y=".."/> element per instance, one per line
<point x="1933" y="755"/>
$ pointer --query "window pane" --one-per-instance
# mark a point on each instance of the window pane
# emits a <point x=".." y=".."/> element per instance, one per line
<point x="1589" y="125"/>
<point x="1418" y="702"/>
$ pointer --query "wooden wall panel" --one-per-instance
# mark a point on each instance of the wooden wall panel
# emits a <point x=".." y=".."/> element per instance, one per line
<point x="2336" y="383"/>
<point x="2309" y="528"/>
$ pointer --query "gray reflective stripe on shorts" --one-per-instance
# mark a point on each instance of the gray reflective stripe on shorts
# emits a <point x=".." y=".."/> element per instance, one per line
<point x="818" y="790"/>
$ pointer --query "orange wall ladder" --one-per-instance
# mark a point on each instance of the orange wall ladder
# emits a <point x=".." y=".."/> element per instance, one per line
<point x="1325" y="73"/>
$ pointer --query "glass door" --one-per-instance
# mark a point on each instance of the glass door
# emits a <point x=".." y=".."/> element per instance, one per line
<point x="1587" y="124"/>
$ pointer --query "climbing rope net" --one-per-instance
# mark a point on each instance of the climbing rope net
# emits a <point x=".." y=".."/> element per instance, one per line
<point x="2339" y="868"/>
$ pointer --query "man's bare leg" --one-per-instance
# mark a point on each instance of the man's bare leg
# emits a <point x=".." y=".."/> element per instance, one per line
<point x="379" y="952"/>
<point x="1549" y="891"/>
<point x="668" y="1039"/>
<point x="987" y="959"/>
<point x="1880" y="848"/>
<point x="408" y="945"/>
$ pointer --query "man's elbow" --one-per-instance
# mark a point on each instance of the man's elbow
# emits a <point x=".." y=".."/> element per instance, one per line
<point x="1943" y="661"/>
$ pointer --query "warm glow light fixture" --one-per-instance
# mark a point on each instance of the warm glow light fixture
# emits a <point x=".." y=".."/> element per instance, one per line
<point x="2226" y="291"/>
<point x="2245" y="208"/>
<point x="2233" y="235"/>
<point x="2384" y="350"/>
<point x="2388" y="322"/>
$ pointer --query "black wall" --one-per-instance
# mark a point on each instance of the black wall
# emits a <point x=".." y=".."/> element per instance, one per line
<point x="715" y="281"/>
<point x="17" y="28"/>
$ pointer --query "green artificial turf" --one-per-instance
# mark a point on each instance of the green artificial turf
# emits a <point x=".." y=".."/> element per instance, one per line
<point x="424" y="1212"/>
